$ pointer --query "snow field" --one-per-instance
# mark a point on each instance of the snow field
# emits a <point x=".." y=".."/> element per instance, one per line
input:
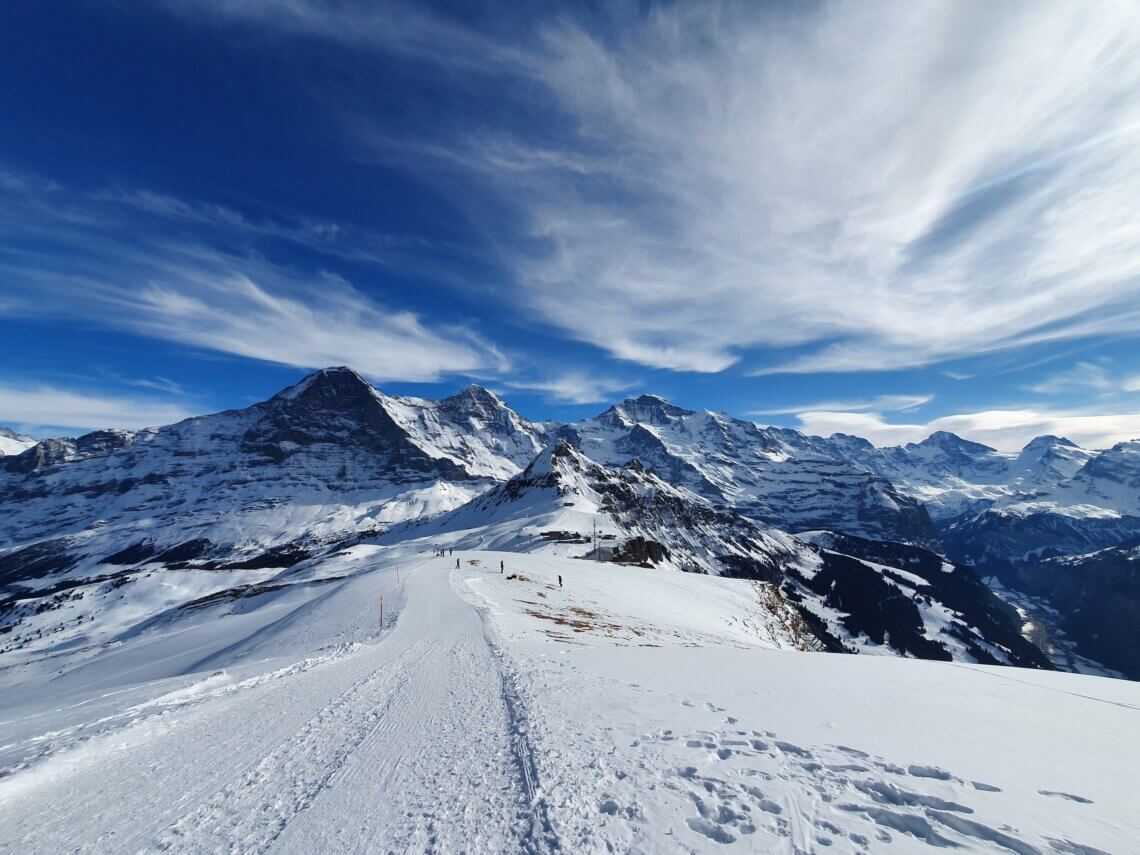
<point x="629" y="710"/>
<point x="661" y="723"/>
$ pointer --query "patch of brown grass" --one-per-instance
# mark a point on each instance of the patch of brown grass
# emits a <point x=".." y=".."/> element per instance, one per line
<point x="583" y="621"/>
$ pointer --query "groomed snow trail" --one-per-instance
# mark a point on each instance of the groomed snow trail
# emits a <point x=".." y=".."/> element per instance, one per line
<point x="417" y="742"/>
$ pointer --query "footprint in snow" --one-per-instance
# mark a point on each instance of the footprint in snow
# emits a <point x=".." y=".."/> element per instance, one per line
<point x="928" y="772"/>
<point x="1079" y="799"/>
<point x="790" y="748"/>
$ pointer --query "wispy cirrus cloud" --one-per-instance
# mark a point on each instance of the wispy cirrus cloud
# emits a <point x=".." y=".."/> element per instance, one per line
<point x="38" y="407"/>
<point x="879" y="404"/>
<point x="814" y="188"/>
<point x="79" y="256"/>
<point x="574" y="387"/>
<point x="810" y="188"/>
<point x="1083" y="377"/>
<point x="158" y="384"/>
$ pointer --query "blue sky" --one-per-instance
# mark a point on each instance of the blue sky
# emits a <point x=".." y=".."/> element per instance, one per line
<point x="884" y="219"/>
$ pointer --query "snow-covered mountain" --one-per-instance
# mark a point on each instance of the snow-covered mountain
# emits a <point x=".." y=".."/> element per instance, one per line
<point x="474" y="429"/>
<point x="1094" y="507"/>
<point x="247" y="491"/>
<point x="327" y="456"/>
<point x="234" y="499"/>
<point x="781" y="478"/>
<point x="13" y="443"/>
<point x="952" y="476"/>
<point x="829" y="592"/>
<point x="995" y="508"/>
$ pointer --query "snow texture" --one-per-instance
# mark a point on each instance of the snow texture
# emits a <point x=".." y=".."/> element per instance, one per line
<point x="627" y="709"/>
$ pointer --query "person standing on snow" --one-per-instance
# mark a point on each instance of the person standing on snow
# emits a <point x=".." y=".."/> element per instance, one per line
<point x="500" y="566"/>
<point x="456" y="563"/>
<point x="559" y="581"/>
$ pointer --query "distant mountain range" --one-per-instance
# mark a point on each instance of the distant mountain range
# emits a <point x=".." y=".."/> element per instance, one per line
<point x="854" y="547"/>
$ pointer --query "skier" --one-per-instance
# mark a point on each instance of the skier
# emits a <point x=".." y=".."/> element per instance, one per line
<point x="559" y="581"/>
<point x="500" y="566"/>
<point x="456" y="563"/>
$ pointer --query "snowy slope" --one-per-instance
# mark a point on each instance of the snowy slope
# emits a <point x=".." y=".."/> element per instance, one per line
<point x="627" y="710"/>
<point x="710" y="747"/>
<point x="14" y="443"/>
<point x="836" y="592"/>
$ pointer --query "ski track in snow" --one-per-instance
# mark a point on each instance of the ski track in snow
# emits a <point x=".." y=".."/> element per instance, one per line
<point x="418" y="742"/>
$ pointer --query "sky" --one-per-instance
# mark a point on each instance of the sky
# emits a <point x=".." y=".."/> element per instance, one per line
<point x="877" y="218"/>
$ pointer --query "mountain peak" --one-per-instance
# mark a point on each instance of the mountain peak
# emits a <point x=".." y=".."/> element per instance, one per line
<point x="851" y="441"/>
<point x="473" y="396"/>
<point x="12" y="443"/>
<point x="328" y="382"/>
<point x="1048" y="441"/>
<point x="474" y="390"/>
<point x="650" y="409"/>
<point x="554" y="458"/>
<point x="8" y="433"/>
<point x="944" y="439"/>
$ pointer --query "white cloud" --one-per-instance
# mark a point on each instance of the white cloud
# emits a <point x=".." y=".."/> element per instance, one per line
<point x="880" y="404"/>
<point x="865" y="186"/>
<point x="1006" y="430"/>
<point x="1082" y="377"/>
<point x="326" y="323"/>
<point x="871" y="186"/>
<point x="1132" y="384"/>
<point x="575" y="388"/>
<point x="117" y="273"/>
<point x="55" y="407"/>
<point x="159" y="384"/>
<point x="402" y="28"/>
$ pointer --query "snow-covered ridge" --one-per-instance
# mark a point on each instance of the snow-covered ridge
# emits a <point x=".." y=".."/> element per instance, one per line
<point x="14" y="443"/>
<point x="844" y="594"/>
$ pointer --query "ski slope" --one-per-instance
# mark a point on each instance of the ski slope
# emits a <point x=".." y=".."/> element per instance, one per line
<point x="627" y="710"/>
<point x="404" y="740"/>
